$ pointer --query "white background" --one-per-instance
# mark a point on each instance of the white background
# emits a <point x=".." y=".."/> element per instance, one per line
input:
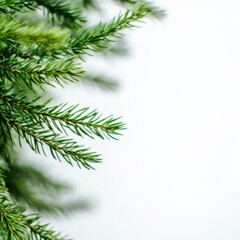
<point x="174" y="175"/>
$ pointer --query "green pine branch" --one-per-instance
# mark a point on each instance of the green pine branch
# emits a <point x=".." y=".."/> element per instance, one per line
<point x="60" y="42"/>
<point x="59" y="12"/>
<point x="82" y="122"/>
<point x="16" y="225"/>
<point x="41" y="232"/>
<point x="37" y="124"/>
<point x="12" y="224"/>
<point x="12" y="31"/>
<point x="11" y="6"/>
<point x="60" y="146"/>
<point x="35" y="72"/>
<point x="93" y="38"/>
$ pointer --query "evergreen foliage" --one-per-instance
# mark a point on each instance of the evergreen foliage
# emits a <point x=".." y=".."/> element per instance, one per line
<point x="49" y="49"/>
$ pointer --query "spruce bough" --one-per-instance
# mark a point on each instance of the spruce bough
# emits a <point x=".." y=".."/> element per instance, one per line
<point x="48" y="50"/>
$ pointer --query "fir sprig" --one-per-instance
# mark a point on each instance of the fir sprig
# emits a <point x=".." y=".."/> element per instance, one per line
<point x="11" y="31"/>
<point x="81" y="41"/>
<point x="60" y="146"/>
<point x="42" y="232"/>
<point x="59" y="12"/>
<point x="16" y="225"/>
<point x="81" y="121"/>
<point x="37" y="72"/>
<point x="12" y="224"/>
<point x="93" y="38"/>
<point x="11" y="6"/>
<point x="38" y="125"/>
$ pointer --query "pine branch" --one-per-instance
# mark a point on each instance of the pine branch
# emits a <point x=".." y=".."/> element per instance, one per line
<point x="37" y="72"/>
<point x="32" y="51"/>
<point x="36" y="124"/>
<point x="93" y="39"/>
<point x="41" y="232"/>
<point x="12" y="31"/>
<point x="58" y="11"/>
<point x="10" y="6"/>
<point x="12" y="224"/>
<point x="79" y="121"/>
<point x="60" y="146"/>
<point x="15" y="225"/>
<point x="37" y="136"/>
<point x="59" y="42"/>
